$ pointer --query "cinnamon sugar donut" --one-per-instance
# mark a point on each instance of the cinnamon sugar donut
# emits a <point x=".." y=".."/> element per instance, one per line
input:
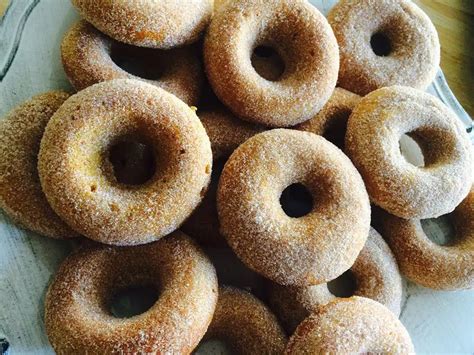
<point x="78" y="174"/>
<point x="325" y="240"/>
<point x="90" y="57"/>
<point x="376" y="277"/>
<point x="245" y="324"/>
<point x="21" y="196"/>
<point x="226" y="133"/>
<point x="384" y="43"/>
<point x="353" y="325"/>
<point x="156" y="24"/>
<point x="331" y="121"/>
<point x="303" y="39"/>
<point x="77" y="307"/>
<point x="444" y="267"/>
<point x="405" y="190"/>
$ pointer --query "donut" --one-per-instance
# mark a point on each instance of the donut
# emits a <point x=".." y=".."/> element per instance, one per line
<point x="78" y="318"/>
<point x="405" y="190"/>
<point x="394" y="44"/>
<point x="156" y="24"/>
<point x="442" y="267"/>
<point x="376" y="276"/>
<point x="21" y="196"/>
<point x="226" y="133"/>
<point x="331" y="121"/>
<point x="77" y="162"/>
<point x="298" y="33"/>
<point x="245" y="324"/>
<point x="312" y="246"/>
<point x="90" y="57"/>
<point x="353" y="325"/>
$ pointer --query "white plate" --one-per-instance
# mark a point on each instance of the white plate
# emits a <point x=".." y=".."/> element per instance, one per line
<point x="30" y="34"/>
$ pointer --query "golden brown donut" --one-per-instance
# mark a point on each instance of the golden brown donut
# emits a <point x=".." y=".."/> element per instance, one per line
<point x="90" y="57"/>
<point x="78" y="318"/>
<point x="301" y="36"/>
<point x="21" y="196"/>
<point x="331" y="121"/>
<point x="245" y="324"/>
<point x="78" y="173"/>
<point x="226" y="133"/>
<point x="314" y="248"/>
<point x="376" y="277"/>
<point x="443" y="267"/>
<point x="384" y="43"/>
<point x="405" y="190"/>
<point x="156" y="24"/>
<point x="353" y="325"/>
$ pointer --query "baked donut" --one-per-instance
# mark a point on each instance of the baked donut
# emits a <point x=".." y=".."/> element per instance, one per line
<point x="331" y="121"/>
<point x="443" y="267"/>
<point x="21" y="196"/>
<point x="155" y="24"/>
<point x="90" y="57"/>
<point x="77" y="163"/>
<point x="245" y="324"/>
<point x="305" y="248"/>
<point x="376" y="276"/>
<point x="78" y="316"/>
<point x="226" y="133"/>
<point x="353" y="325"/>
<point x="405" y="190"/>
<point x="384" y="43"/>
<point x="303" y="39"/>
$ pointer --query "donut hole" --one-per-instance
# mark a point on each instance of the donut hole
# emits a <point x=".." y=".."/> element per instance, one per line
<point x="296" y="200"/>
<point x="343" y="286"/>
<point x="214" y="346"/>
<point x="411" y="151"/>
<point x="133" y="161"/>
<point x="267" y="62"/>
<point x="132" y="301"/>
<point x="440" y="231"/>
<point x="381" y="44"/>
<point x="145" y="63"/>
<point x="335" y="130"/>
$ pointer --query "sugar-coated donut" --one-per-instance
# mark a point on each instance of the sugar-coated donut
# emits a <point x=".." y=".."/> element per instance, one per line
<point x="405" y="190"/>
<point x="226" y="133"/>
<point x="245" y="324"/>
<point x="77" y="307"/>
<point x="384" y="43"/>
<point x="331" y="121"/>
<point x="302" y="37"/>
<point x="88" y="58"/>
<point x="156" y="24"/>
<point x="309" y="250"/>
<point x="21" y="196"/>
<point x="376" y="277"/>
<point x="353" y="325"/>
<point x="78" y="176"/>
<point x="444" y="267"/>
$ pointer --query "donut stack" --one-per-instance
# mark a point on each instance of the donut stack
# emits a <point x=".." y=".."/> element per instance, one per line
<point x="223" y="121"/>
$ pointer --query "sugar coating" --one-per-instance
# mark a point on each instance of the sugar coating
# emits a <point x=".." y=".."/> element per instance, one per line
<point x="376" y="274"/>
<point x="226" y="132"/>
<point x="304" y="251"/>
<point x="246" y="324"/>
<point x="353" y="325"/>
<point x="86" y="58"/>
<point x="77" y="315"/>
<point x="405" y="190"/>
<point x="77" y="176"/>
<point x="302" y="37"/>
<point x="415" y="55"/>
<point x="448" y="267"/>
<point x="331" y="121"/>
<point x="21" y="196"/>
<point x="152" y="23"/>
